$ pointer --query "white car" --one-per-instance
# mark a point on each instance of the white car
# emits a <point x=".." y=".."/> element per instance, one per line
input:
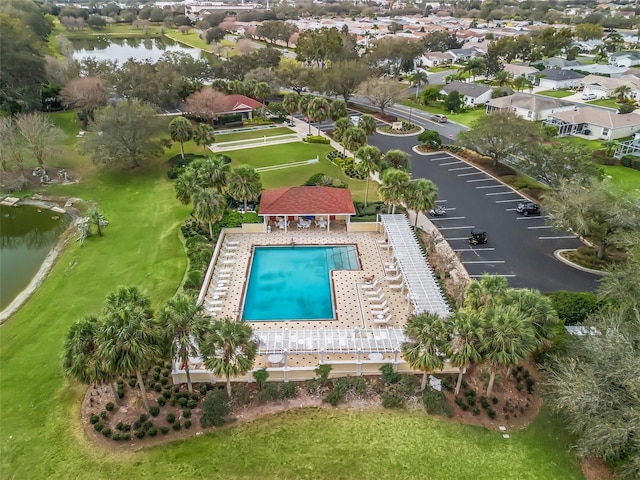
<point x="589" y="96"/>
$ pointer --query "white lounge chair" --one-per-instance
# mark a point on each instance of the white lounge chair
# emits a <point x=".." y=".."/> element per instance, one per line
<point x="232" y="242"/>
<point x="369" y="286"/>
<point x="382" y="320"/>
<point x="394" y="278"/>
<point x="379" y="306"/>
<point x="376" y="299"/>
<point x="381" y="312"/>
<point x="396" y="286"/>
<point x="375" y="293"/>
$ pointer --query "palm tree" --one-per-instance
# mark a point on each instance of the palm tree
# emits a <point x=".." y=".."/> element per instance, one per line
<point x="622" y="91"/>
<point x="185" y="185"/>
<point x="609" y="145"/>
<point x="368" y="124"/>
<point x="341" y="126"/>
<point x="291" y="103"/>
<point x="244" y="185"/>
<point x="475" y="66"/>
<point x="318" y="110"/>
<point x="420" y="195"/>
<point x="538" y="310"/>
<point x="419" y="78"/>
<point x="208" y="207"/>
<point x="369" y="162"/>
<point x="303" y="107"/>
<point x="353" y="138"/>
<point x="394" y="183"/>
<point x="486" y="292"/>
<point x="80" y="358"/>
<point x="261" y="91"/>
<point x="184" y="321"/>
<point x="425" y="347"/>
<point x="213" y="172"/>
<point x="465" y="344"/>
<point x="397" y="159"/>
<point x="181" y="131"/>
<point x="521" y="82"/>
<point x="503" y="78"/>
<point x="203" y="135"/>
<point x="228" y="349"/>
<point x="96" y="218"/>
<point x="130" y="342"/>
<point x="338" y="109"/>
<point x="509" y="339"/>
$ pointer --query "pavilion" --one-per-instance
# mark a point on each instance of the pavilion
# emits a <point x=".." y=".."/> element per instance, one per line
<point x="308" y="202"/>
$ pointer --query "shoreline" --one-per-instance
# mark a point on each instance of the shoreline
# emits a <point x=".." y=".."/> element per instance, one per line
<point x="49" y="260"/>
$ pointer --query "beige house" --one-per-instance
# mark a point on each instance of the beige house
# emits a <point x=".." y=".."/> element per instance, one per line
<point x="521" y="71"/>
<point x="529" y="107"/>
<point x="599" y="123"/>
<point x="604" y="87"/>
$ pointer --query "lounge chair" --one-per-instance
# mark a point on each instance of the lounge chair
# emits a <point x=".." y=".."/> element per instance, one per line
<point x="231" y="242"/>
<point x="382" y="320"/>
<point x="394" y="279"/>
<point x="376" y="299"/>
<point x="381" y="312"/>
<point x="369" y="286"/>
<point x="397" y="286"/>
<point x="379" y="306"/>
<point x="374" y="293"/>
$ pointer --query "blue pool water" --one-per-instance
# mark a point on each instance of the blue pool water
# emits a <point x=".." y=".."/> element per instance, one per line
<point x="293" y="283"/>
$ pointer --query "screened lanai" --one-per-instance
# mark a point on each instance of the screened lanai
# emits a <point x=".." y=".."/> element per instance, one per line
<point x="424" y="292"/>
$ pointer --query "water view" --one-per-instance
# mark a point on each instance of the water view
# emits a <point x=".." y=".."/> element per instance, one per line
<point x="123" y="49"/>
<point x="27" y="234"/>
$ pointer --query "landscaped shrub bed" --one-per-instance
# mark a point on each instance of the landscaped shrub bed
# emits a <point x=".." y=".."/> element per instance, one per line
<point x="347" y="164"/>
<point x="323" y="180"/>
<point x="177" y="164"/>
<point x="316" y="139"/>
<point x="406" y="129"/>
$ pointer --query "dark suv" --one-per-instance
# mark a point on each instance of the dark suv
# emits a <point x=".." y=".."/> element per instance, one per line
<point x="528" y="208"/>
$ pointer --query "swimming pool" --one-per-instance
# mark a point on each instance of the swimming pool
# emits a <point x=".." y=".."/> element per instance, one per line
<point x="293" y="282"/>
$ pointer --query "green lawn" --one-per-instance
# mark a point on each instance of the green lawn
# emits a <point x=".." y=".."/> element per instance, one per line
<point x="117" y="30"/>
<point x="605" y="102"/>
<point x="624" y="178"/>
<point x="590" y="144"/>
<point x="257" y="133"/>
<point x="556" y="93"/>
<point x="466" y="118"/>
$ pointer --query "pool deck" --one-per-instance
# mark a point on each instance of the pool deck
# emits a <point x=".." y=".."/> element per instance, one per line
<point x="351" y="304"/>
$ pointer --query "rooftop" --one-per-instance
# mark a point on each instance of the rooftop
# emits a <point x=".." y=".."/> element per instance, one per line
<point x="306" y="201"/>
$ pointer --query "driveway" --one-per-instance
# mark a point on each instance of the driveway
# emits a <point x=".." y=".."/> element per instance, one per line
<point x="520" y="248"/>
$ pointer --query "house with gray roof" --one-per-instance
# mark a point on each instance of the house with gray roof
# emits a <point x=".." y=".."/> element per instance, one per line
<point x="558" y="79"/>
<point x="461" y="55"/>
<point x="473" y="93"/>
<point x="558" y="62"/>
<point x="624" y="59"/>
<point x="528" y="106"/>
<point x="594" y="122"/>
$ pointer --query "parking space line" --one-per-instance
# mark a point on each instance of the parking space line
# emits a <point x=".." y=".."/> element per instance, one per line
<point x="447" y="218"/>
<point x="490" y="186"/>
<point x="489" y="179"/>
<point x="441" y="201"/>
<point x="438" y="159"/>
<point x="469" y="227"/>
<point x="501" y="193"/>
<point x="452" y="163"/>
<point x="507" y="201"/>
<point x="530" y="217"/>
<point x="512" y="210"/>
<point x="560" y="237"/>
<point x="494" y="274"/>
<point x="473" y="173"/>
<point x="473" y="249"/>
<point x="485" y="261"/>
<point x="449" y="239"/>
<point x="538" y="227"/>
<point x="458" y="169"/>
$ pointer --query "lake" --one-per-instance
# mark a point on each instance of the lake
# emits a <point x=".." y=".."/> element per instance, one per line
<point x="27" y="234"/>
<point x="122" y="49"/>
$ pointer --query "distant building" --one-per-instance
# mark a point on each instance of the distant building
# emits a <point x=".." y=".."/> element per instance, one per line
<point x="527" y="106"/>
<point x="558" y="79"/>
<point x="472" y="93"/>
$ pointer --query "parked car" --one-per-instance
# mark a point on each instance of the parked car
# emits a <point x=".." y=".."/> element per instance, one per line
<point x="528" y="208"/>
<point x="589" y="96"/>
<point x="439" y="118"/>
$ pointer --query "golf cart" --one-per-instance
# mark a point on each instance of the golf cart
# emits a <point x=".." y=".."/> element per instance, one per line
<point x="439" y="211"/>
<point x="478" y="237"/>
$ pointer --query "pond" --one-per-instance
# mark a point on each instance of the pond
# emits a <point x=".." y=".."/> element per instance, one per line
<point x="122" y="49"/>
<point x="27" y="234"/>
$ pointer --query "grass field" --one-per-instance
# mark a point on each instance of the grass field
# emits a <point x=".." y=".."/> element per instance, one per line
<point x="590" y="144"/>
<point x="257" y="134"/>
<point x="466" y="118"/>
<point x="605" y="102"/>
<point x="624" y="178"/>
<point x="41" y="435"/>
<point x="556" y="93"/>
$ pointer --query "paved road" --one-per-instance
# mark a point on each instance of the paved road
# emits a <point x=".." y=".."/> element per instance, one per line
<point x="520" y="248"/>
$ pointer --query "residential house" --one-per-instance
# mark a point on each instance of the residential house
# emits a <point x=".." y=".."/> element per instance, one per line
<point x="472" y="93"/>
<point x="521" y="70"/>
<point x="530" y="107"/>
<point x="462" y="55"/>
<point x="558" y="62"/>
<point x="600" y="123"/>
<point x="436" y="59"/>
<point x="558" y="79"/>
<point x="604" y="87"/>
<point x="624" y="59"/>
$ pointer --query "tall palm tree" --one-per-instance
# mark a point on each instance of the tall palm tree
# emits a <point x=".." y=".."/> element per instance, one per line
<point x="203" y="135"/>
<point x="213" y="171"/>
<point x="367" y="123"/>
<point x="185" y="323"/>
<point x="208" y="207"/>
<point x="369" y="162"/>
<point x="185" y="185"/>
<point x="420" y="195"/>
<point x="261" y="91"/>
<point x="228" y="349"/>
<point x="353" y="138"/>
<point x="338" y="109"/>
<point x="418" y="79"/>
<point x="318" y="110"/>
<point x="622" y="91"/>
<point x="465" y="344"/>
<point x="394" y="182"/>
<point x="244" y="185"/>
<point x="181" y="131"/>
<point x="397" y="159"/>
<point x="486" y="292"/>
<point x="341" y="126"/>
<point x="303" y="107"/>
<point x="503" y="78"/>
<point x="508" y="341"/>
<point x="521" y="82"/>
<point x="291" y="103"/>
<point x="538" y="310"/>
<point x="425" y="348"/>
<point x="80" y="358"/>
<point x="130" y="341"/>
<point x="475" y="66"/>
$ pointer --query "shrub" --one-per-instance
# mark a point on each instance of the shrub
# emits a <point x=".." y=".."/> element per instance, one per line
<point x="316" y="139"/>
<point x="574" y="307"/>
<point x="491" y="413"/>
<point x="188" y="424"/>
<point x="192" y="403"/>
<point x="132" y="382"/>
<point x="177" y="164"/>
<point x="241" y="395"/>
<point x="392" y="398"/>
<point x="139" y="433"/>
<point x="157" y="387"/>
<point x="215" y="408"/>
<point x="494" y="400"/>
<point x="152" y="432"/>
<point x="109" y="406"/>
<point x="164" y="430"/>
<point x="176" y="426"/>
<point x="115" y="436"/>
<point x="147" y="425"/>
<point x="137" y="424"/>
<point x="106" y="432"/>
<point x="103" y="415"/>
<point x="288" y="390"/>
<point x="261" y="376"/>
<point x="94" y="419"/>
<point x="430" y="138"/>
<point x="204" y="388"/>
<point x="447" y="383"/>
<point x="268" y="393"/>
<point x="156" y="375"/>
<point x="171" y="418"/>
<point x="389" y="376"/>
<point x="186" y="413"/>
<point x="322" y="373"/>
<point x="162" y="401"/>
<point x="484" y="402"/>
<point x="98" y="426"/>
<point x="436" y="403"/>
<point x="182" y="402"/>
<point x="143" y="417"/>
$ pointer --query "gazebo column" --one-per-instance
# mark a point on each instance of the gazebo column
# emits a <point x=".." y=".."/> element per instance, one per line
<point x="285" y="367"/>
<point x="395" y="359"/>
<point x="321" y="357"/>
<point x="359" y="363"/>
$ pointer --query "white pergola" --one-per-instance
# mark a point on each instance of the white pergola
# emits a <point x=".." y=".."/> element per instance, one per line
<point x="424" y="292"/>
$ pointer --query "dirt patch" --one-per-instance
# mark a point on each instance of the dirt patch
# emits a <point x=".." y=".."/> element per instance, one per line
<point x="596" y="469"/>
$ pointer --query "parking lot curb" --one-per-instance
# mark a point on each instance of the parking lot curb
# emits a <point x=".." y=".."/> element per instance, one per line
<point x="558" y="255"/>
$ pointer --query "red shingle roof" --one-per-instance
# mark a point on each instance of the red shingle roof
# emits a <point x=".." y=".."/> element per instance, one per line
<point x="240" y="103"/>
<point x="307" y="201"/>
